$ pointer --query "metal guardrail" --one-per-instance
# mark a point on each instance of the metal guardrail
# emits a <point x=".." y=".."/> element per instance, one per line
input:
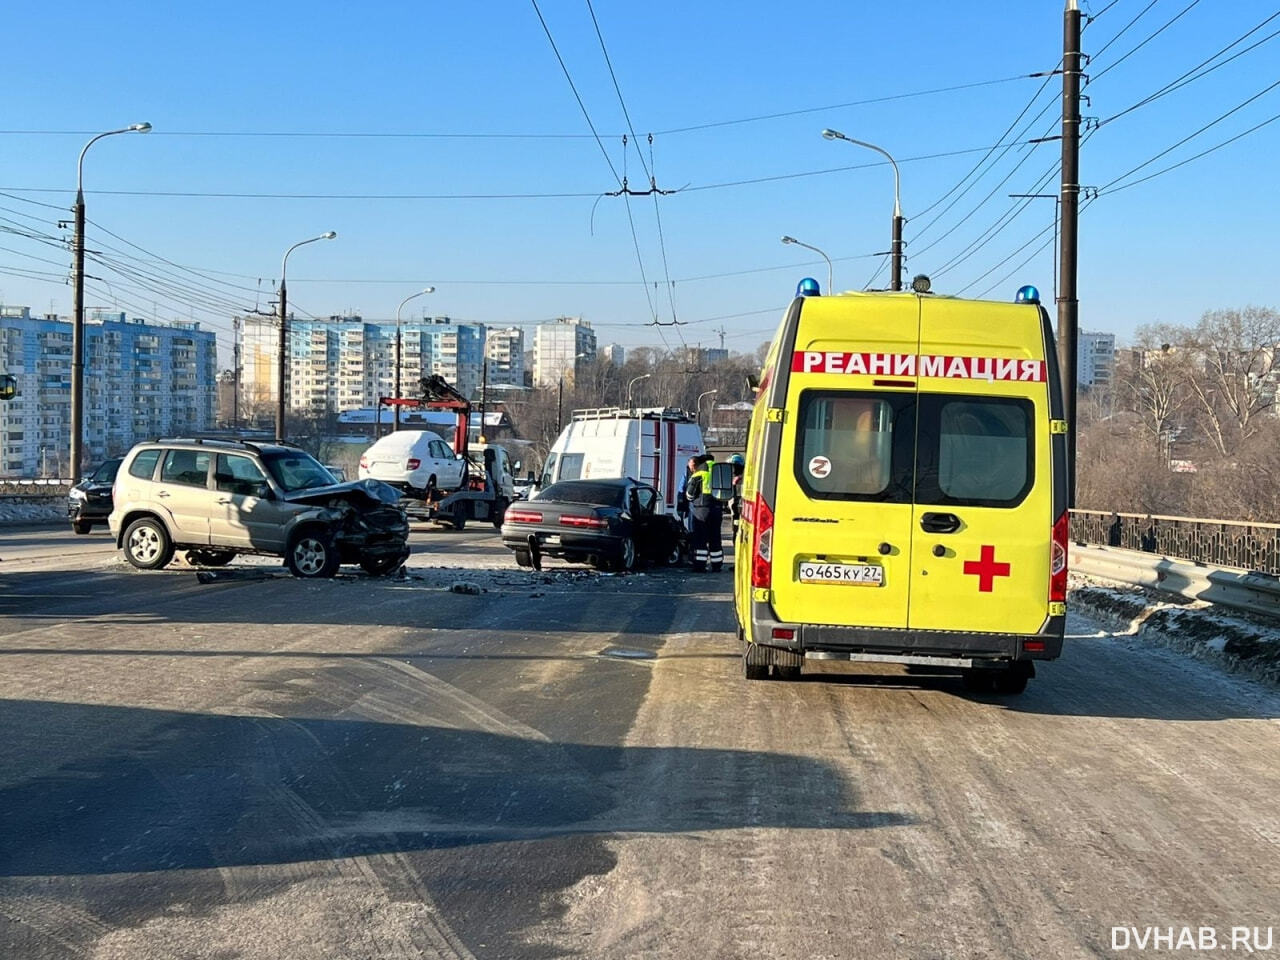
<point x="1220" y="543"/>
<point x="41" y="487"/>
<point x="1242" y="590"/>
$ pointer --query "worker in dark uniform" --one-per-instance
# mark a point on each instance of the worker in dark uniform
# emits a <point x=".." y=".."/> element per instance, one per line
<point x="682" y="504"/>
<point x="706" y="516"/>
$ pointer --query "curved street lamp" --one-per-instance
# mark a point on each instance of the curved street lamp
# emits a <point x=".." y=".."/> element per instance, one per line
<point x="395" y="423"/>
<point x="77" y="322"/>
<point x="831" y="287"/>
<point x="282" y="373"/>
<point x="697" y="407"/>
<point x="896" y="248"/>
<point x="643" y="376"/>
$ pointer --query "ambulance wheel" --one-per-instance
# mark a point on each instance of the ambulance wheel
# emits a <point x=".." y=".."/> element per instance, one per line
<point x="979" y="681"/>
<point x="754" y="671"/>
<point x="1013" y="681"/>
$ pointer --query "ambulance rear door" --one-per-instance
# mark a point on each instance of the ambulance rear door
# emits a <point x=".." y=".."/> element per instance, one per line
<point x="982" y="520"/>
<point x="843" y="513"/>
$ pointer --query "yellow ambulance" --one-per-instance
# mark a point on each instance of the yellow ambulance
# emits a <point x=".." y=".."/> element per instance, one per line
<point x="905" y="492"/>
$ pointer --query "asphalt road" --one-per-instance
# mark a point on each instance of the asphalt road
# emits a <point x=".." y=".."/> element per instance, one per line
<point x="570" y="764"/>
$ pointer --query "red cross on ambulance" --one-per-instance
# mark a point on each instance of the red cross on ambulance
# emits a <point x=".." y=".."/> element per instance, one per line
<point x="986" y="569"/>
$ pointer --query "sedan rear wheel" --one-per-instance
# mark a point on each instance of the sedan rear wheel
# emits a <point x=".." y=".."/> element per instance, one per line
<point x="523" y="557"/>
<point x="627" y="554"/>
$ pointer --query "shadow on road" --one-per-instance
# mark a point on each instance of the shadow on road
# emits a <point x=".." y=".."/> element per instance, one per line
<point x="178" y="791"/>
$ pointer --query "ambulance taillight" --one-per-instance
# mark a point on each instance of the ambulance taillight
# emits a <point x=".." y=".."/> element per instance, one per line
<point x="761" y="544"/>
<point x="1058" y="559"/>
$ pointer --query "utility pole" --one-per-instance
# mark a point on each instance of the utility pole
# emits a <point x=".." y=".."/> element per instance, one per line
<point x="77" y="340"/>
<point x="282" y="362"/>
<point x="235" y="395"/>
<point x="1068" y="305"/>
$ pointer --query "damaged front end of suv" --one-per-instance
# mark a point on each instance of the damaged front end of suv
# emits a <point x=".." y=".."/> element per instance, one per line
<point x="363" y="520"/>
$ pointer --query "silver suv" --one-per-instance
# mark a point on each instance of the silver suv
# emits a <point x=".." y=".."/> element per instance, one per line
<point x="219" y="498"/>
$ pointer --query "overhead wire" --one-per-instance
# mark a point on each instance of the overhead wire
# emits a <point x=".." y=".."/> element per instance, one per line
<point x="653" y="184"/>
<point x="1115" y="63"/>
<point x="1188" y="77"/>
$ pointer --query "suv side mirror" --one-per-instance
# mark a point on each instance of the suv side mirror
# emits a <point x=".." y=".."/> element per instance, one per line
<point x="263" y="491"/>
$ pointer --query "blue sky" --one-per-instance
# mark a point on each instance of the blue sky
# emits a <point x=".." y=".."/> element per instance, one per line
<point x="1199" y="237"/>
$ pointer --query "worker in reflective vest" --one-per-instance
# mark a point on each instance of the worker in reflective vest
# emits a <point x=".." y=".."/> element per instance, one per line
<point x="706" y="517"/>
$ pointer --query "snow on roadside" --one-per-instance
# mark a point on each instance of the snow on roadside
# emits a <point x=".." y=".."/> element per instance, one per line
<point x="1249" y="645"/>
<point x="32" y="509"/>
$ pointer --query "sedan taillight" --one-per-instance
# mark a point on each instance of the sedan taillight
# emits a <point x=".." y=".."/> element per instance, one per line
<point x="514" y="515"/>
<point x="413" y="463"/>
<point x="584" y="523"/>
<point x="364" y="463"/>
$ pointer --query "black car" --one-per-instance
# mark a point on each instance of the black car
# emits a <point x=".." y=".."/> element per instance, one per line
<point x="611" y="524"/>
<point x="89" y="501"/>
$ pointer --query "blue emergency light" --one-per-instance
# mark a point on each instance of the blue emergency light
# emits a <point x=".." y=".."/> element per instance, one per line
<point x="808" y="287"/>
<point x="1027" y="294"/>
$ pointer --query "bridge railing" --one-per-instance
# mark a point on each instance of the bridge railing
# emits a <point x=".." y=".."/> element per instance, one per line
<point x="1223" y="543"/>
<point x="43" y="487"/>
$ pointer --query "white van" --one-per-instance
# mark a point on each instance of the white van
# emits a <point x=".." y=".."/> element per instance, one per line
<point x="651" y="446"/>
<point x="413" y="461"/>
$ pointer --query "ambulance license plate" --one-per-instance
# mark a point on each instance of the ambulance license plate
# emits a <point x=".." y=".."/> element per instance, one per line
<point x="855" y="574"/>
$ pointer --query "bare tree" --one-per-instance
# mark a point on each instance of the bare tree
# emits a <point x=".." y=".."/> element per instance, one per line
<point x="1153" y="379"/>
<point x="1237" y="353"/>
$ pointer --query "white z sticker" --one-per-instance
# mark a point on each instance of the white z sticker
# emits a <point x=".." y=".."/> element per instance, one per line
<point x="819" y="467"/>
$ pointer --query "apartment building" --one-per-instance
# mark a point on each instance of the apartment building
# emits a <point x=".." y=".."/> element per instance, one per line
<point x="142" y="379"/>
<point x="346" y="362"/>
<point x="504" y="353"/>
<point x="1096" y="359"/>
<point x="557" y="346"/>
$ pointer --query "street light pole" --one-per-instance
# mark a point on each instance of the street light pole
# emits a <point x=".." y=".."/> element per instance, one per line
<point x="698" y="405"/>
<point x="830" y="282"/>
<point x="898" y="220"/>
<point x="282" y="359"/>
<point x="634" y="381"/>
<point x="77" y="324"/>
<point x="377" y="414"/>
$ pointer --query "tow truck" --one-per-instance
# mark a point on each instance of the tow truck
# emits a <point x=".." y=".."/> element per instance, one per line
<point x="481" y="496"/>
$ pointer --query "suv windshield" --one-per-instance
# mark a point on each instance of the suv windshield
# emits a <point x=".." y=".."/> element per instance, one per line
<point x="106" y="472"/>
<point x="296" y="470"/>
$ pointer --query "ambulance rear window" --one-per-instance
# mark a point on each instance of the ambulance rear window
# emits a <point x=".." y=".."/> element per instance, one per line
<point x="975" y="451"/>
<point x="846" y="446"/>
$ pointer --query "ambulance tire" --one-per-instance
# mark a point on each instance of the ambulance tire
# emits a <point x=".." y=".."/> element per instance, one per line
<point x="754" y="671"/>
<point x="979" y="681"/>
<point x="1011" y="682"/>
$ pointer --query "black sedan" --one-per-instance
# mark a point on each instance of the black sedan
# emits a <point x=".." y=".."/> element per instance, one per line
<point x="611" y="524"/>
<point x="89" y="501"/>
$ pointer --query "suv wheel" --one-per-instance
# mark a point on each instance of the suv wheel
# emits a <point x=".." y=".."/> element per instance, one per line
<point x="147" y="544"/>
<point x="81" y="527"/>
<point x="311" y="554"/>
<point x="382" y="565"/>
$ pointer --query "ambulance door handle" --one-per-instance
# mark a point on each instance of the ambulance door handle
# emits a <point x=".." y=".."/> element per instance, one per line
<point x="939" y="523"/>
